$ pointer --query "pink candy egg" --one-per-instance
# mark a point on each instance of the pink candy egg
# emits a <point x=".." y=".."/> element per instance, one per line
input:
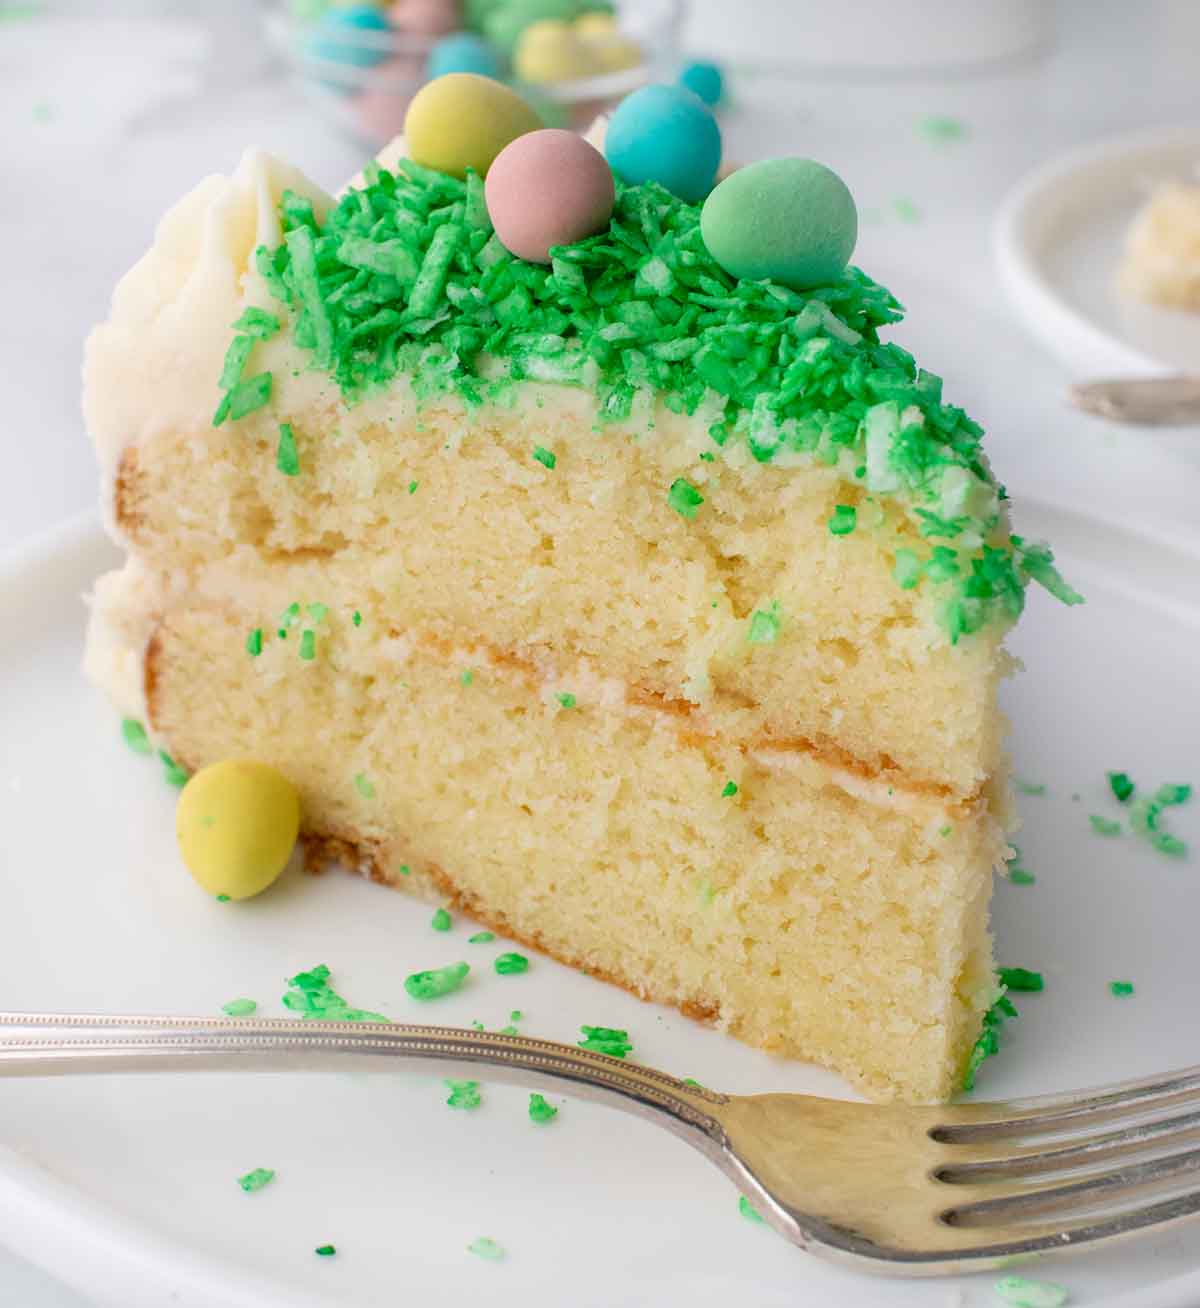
<point x="425" y="17"/>
<point x="548" y="188"/>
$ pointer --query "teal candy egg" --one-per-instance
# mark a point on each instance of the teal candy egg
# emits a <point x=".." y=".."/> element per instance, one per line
<point x="464" y="52"/>
<point x="706" y="80"/>
<point x="338" y="35"/>
<point x="790" y="220"/>
<point x="665" y="134"/>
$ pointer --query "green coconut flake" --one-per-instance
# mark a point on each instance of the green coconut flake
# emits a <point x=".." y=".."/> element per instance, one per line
<point x="684" y="498"/>
<point x="545" y="457"/>
<point x="1165" y="843"/>
<point x="729" y="790"/>
<point x="467" y="677"/>
<point x="907" y="569"/>
<point x="173" y="773"/>
<point x="487" y="1249"/>
<point x="540" y="1111"/>
<point x="244" y="398"/>
<point x="844" y="520"/>
<point x="287" y="460"/>
<point x="1103" y="826"/>
<point x="1168" y="795"/>
<point x="1021" y="979"/>
<point x="412" y="487"/>
<point x="941" y="129"/>
<point x="566" y="699"/>
<point x="134" y="735"/>
<point x="317" y="612"/>
<point x="235" y="361"/>
<point x="988" y="1044"/>
<point x="310" y="994"/>
<point x="239" y="1008"/>
<point x="1022" y="1293"/>
<point x="308" y="645"/>
<point x="257" y="323"/>
<point x="463" y="1094"/>
<point x="441" y="920"/>
<point x="906" y="210"/>
<point x="606" y="1040"/>
<point x="1121" y="989"/>
<point x="356" y="618"/>
<point x="1121" y="786"/>
<point x="325" y="1250"/>
<point x="481" y="938"/>
<point x="1030" y="787"/>
<point x="764" y="625"/>
<point x="749" y="1212"/>
<point x="256" y="1179"/>
<point x="511" y="964"/>
<point x="254" y="643"/>
<point x="437" y="981"/>
<point x="364" y="785"/>
<point x="222" y="899"/>
<point x="1020" y="877"/>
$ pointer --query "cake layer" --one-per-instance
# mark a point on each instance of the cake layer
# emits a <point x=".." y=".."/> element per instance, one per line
<point x="752" y="605"/>
<point x="814" y="912"/>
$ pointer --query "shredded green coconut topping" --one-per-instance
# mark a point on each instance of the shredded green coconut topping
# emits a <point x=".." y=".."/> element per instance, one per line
<point x="325" y="1251"/>
<point x="764" y="625"/>
<point x="437" y="982"/>
<point x="487" y="1249"/>
<point x="511" y="964"/>
<point x="239" y="1008"/>
<point x="1021" y="978"/>
<point x="287" y="460"/>
<point x="1103" y="826"/>
<point x="540" y="1111"/>
<point x="364" y="785"/>
<point x="173" y="773"/>
<point x="1121" y="989"/>
<point x="310" y="994"/>
<point x="988" y="1044"/>
<point x="256" y="1179"/>
<point x="406" y="276"/>
<point x="441" y="920"/>
<point x="545" y="457"/>
<point x="134" y="735"/>
<point x="1146" y="815"/>
<point x="844" y="520"/>
<point x="481" y="938"/>
<point x="566" y="699"/>
<point x="1022" y="1293"/>
<point x="1121" y="786"/>
<point x="464" y="1094"/>
<point x="254" y="643"/>
<point x="748" y="1210"/>
<point x="1018" y="875"/>
<point x="606" y="1040"/>
<point x="729" y="790"/>
<point x="1030" y="787"/>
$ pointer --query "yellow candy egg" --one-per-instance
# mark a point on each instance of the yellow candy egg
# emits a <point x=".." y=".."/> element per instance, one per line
<point x="237" y="823"/>
<point x="463" y="121"/>
<point x="551" y="51"/>
<point x="591" y="26"/>
<point x="615" y="52"/>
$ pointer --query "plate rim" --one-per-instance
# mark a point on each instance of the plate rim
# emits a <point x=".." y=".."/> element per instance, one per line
<point x="1047" y="315"/>
<point x="70" y="1234"/>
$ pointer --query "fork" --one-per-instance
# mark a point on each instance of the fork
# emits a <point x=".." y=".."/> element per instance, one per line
<point x="916" y="1191"/>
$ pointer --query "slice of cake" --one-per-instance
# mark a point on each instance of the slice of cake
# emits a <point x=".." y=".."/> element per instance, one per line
<point x="650" y="616"/>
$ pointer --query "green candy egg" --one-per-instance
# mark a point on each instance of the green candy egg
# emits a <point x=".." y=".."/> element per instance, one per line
<point x="236" y="823"/>
<point x="790" y="220"/>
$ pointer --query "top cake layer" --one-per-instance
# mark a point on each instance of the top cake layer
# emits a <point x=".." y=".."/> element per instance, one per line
<point x="754" y="507"/>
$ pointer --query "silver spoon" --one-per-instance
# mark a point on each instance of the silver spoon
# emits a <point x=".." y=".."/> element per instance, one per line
<point x="1141" y="401"/>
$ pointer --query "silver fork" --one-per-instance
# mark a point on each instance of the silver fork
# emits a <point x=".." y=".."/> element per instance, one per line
<point x="917" y="1191"/>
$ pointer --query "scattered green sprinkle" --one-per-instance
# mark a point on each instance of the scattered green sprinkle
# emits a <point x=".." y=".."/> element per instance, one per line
<point x="544" y="457"/>
<point x="684" y="498"/>
<point x="244" y="398"/>
<point x="1168" y="795"/>
<point x="1021" y="979"/>
<point x="239" y="1008"/>
<point x="135" y="736"/>
<point x="730" y="789"/>
<point x="749" y="1212"/>
<point x="906" y="210"/>
<point x="945" y="831"/>
<point x="1021" y="1293"/>
<point x="257" y="323"/>
<point x="287" y="460"/>
<point x="254" y="643"/>
<point x="844" y="520"/>
<point x="511" y="964"/>
<point x="412" y="487"/>
<point x="310" y="994"/>
<point x="566" y="699"/>
<point x="405" y="870"/>
<point x="1017" y="874"/>
<point x="906" y="569"/>
<point x="437" y="982"/>
<point x="691" y="1080"/>
<point x="441" y="920"/>
<point x="764" y="625"/>
<point x="516" y="1015"/>
<point x="1168" y="844"/>
<point x="1121" y="786"/>
<point x="941" y="129"/>
<point x="222" y="899"/>
<point x="464" y="1094"/>
<point x="256" y="1179"/>
<point x="318" y="612"/>
<point x="364" y="785"/>
<point x="467" y="676"/>
<point x="325" y="1251"/>
<point x="988" y="1044"/>
<point x="1103" y="826"/>
<point x="1121" y="989"/>
<point x="173" y="773"/>
<point x="487" y="1249"/>
<point x="481" y="938"/>
<point x="356" y="618"/>
<point x="1030" y="787"/>
<point x="308" y="645"/>
<point x="605" y="1040"/>
<point x="540" y="1111"/>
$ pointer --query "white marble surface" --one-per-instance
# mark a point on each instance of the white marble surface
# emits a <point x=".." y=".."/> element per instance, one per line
<point x="108" y="119"/>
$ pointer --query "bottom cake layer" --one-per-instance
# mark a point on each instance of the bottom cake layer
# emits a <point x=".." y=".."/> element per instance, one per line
<point x="815" y="912"/>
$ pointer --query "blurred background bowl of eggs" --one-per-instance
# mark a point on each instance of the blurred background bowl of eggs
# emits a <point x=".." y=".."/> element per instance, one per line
<point x="361" y="61"/>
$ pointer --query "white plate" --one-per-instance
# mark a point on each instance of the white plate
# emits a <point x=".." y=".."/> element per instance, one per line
<point x="1058" y="244"/>
<point x="125" y="1186"/>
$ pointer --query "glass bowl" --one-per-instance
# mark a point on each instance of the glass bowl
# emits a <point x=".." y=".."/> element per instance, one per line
<point x="363" y="80"/>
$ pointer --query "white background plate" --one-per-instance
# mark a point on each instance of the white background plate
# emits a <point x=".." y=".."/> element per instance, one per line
<point x="1059" y="239"/>
<point x="126" y="1187"/>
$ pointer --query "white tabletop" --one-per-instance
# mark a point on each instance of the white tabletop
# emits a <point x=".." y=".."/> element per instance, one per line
<point x="108" y="121"/>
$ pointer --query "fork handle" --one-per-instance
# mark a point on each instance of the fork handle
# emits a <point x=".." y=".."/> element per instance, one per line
<point x="57" y="1044"/>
